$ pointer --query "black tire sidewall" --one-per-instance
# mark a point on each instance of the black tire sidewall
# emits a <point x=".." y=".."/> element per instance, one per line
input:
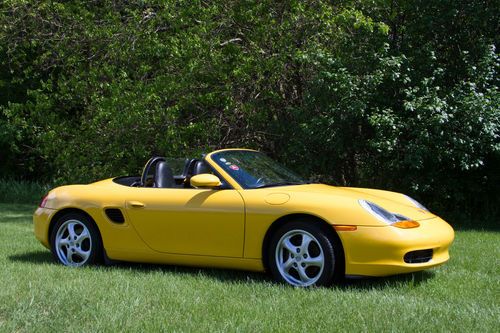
<point x="96" y="243"/>
<point x="327" y="243"/>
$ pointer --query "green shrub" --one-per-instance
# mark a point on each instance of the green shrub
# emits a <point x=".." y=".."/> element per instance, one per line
<point x="21" y="191"/>
<point x="400" y="95"/>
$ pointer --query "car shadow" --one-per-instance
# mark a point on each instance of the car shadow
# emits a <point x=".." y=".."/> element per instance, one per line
<point x="35" y="257"/>
<point x="236" y="276"/>
<point x="365" y="283"/>
<point x="225" y="275"/>
<point x="222" y="275"/>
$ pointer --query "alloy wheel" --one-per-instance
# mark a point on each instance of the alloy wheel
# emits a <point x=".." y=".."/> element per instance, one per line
<point x="299" y="258"/>
<point x="73" y="243"/>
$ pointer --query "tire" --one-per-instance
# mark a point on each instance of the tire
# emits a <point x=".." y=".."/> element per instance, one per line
<point x="302" y="254"/>
<point x="75" y="241"/>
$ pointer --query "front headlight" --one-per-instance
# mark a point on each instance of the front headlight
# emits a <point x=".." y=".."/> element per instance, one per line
<point x="416" y="203"/>
<point x="396" y="220"/>
<point x="381" y="213"/>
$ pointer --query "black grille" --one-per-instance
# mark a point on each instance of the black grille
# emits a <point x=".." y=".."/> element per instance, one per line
<point x="417" y="257"/>
<point x="115" y="215"/>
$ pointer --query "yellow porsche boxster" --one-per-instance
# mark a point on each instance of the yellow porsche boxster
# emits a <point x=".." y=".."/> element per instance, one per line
<point x="237" y="208"/>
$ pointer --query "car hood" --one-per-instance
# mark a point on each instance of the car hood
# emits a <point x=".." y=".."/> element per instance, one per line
<point x="343" y="202"/>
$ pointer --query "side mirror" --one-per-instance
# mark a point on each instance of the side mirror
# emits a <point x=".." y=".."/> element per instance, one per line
<point x="205" y="180"/>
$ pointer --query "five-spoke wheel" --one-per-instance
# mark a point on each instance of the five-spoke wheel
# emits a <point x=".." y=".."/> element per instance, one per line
<point x="75" y="241"/>
<point x="303" y="254"/>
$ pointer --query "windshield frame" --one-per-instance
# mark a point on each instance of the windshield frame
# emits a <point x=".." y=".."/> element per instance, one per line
<point x="240" y="182"/>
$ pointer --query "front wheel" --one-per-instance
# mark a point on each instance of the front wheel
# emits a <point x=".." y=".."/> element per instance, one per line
<point x="75" y="241"/>
<point x="302" y="254"/>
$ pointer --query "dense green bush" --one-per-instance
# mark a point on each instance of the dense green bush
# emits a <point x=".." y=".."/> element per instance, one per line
<point x="21" y="191"/>
<point x="393" y="94"/>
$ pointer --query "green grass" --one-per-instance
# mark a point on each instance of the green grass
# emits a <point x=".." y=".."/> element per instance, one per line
<point x="38" y="295"/>
<point x="21" y="191"/>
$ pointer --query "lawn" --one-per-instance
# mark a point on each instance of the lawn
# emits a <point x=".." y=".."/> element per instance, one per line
<point x="38" y="295"/>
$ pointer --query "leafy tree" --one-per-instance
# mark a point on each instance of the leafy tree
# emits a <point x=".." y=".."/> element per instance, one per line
<point x="387" y="93"/>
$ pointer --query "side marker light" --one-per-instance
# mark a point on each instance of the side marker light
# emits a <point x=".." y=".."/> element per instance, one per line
<point x="345" y="227"/>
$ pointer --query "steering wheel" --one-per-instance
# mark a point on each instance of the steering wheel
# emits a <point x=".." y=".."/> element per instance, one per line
<point x="137" y="183"/>
<point x="260" y="181"/>
<point x="148" y="166"/>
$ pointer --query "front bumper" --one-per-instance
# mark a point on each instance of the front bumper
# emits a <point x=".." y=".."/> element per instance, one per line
<point x="380" y="251"/>
<point x="41" y="221"/>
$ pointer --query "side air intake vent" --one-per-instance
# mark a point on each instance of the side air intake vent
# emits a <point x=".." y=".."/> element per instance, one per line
<point x="115" y="215"/>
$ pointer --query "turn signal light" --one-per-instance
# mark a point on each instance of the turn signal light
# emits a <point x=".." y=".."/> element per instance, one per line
<point x="406" y="224"/>
<point x="345" y="227"/>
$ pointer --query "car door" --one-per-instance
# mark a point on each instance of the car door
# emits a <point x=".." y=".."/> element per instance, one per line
<point x="189" y="221"/>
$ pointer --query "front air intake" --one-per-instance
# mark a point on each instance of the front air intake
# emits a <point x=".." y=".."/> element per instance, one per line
<point x="115" y="215"/>
<point x="418" y="257"/>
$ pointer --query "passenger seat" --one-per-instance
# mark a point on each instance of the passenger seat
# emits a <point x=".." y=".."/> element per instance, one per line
<point x="164" y="176"/>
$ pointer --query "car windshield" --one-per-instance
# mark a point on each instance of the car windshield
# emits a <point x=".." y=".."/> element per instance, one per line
<point x="252" y="169"/>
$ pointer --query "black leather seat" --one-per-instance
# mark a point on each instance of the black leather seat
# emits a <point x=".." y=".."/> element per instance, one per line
<point x="201" y="167"/>
<point x="164" y="177"/>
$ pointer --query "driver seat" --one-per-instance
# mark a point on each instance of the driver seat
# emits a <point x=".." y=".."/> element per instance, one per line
<point x="164" y="177"/>
<point x="201" y="167"/>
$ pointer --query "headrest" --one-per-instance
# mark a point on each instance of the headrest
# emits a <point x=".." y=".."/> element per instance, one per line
<point x="201" y="167"/>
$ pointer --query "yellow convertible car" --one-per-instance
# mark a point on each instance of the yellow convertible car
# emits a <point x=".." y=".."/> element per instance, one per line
<point x="237" y="208"/>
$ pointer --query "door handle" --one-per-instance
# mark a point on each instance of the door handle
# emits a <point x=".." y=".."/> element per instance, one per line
<point x="136" y="204"/>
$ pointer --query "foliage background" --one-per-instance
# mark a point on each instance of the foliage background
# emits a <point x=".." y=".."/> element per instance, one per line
<point x="398" y="94"/>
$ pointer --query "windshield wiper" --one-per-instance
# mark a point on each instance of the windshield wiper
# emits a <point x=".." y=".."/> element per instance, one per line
<point x="281" y="184"/>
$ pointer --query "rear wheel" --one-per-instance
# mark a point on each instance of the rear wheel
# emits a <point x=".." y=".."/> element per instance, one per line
<point x="75" y="241"/>
<point x="303" y="254"/>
